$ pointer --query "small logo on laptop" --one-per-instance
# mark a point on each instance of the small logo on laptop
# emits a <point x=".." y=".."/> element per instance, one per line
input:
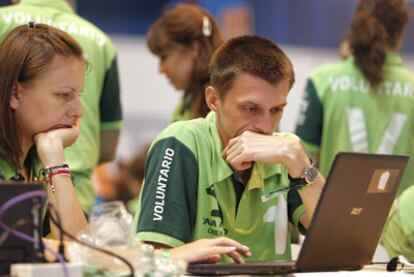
<point x="383" y="180"/>
<point x="356" y="211"/>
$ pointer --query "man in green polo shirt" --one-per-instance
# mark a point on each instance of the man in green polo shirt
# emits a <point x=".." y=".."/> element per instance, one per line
<point x="229" y="174"/>
<point x="102" y="115"/>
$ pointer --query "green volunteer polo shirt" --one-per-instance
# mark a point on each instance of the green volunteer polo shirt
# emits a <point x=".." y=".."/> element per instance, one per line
<point x="341" y="112"/>
<point x="398" y="235"/>
<point x="407" y="216"/>
<point x="9" y="172"/>
<point x="188" y="194"/>
<point x="101" y="95"/>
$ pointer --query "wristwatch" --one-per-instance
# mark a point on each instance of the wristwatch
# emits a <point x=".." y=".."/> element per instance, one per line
<point x="308" y="177"/>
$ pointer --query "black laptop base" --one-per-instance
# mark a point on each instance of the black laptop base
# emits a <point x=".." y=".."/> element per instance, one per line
<point x="258" y="268"/>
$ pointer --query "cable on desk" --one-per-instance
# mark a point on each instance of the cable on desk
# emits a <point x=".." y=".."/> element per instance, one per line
<point x="52" y="212"/>
<point x="19" y="223"/>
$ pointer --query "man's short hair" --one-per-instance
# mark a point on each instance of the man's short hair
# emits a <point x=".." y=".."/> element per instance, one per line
<point x="253" y="55"/>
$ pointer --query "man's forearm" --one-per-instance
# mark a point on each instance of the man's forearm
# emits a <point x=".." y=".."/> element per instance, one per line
<point x="310" y="197"/>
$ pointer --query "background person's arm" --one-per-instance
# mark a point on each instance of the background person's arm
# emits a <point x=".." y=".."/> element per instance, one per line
<point x="110" y="109"/>
<point x="108" y="146"/>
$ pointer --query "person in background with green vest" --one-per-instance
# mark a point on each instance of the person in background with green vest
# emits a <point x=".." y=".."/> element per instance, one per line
<point x="229" y="174"/>
<point x="398" y="234"/>
<point x="364" y="103"/>
<point x="102" y="116"/>
<point x="41" y="77"/>
<point x="183" y="38"/>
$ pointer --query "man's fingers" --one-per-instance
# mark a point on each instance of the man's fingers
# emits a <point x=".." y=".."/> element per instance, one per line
<point x="211" y="259"/>
<point x="240" y="162"/>
<point x="230" y="145"/>
<point x="231" y="245"/>
<point x="211" y="249"/>
<point x="236" y="257"/>
<point x="231" y="156"/>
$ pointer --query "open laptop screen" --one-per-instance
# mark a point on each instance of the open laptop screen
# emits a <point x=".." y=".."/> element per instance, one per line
<point x="352" y="211"/>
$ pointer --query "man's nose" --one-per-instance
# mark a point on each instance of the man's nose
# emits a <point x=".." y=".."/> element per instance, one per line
<point x="265" y="125"/>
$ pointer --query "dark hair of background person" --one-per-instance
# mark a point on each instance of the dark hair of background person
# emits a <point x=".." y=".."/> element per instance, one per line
<point x="25" y="54"/>
<point x="253" y="55"/>
<point x="377" y="27"/>
<point x="183" y="25"/>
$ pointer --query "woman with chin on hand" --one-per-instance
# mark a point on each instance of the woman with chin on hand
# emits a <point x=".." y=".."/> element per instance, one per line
<point x="41" y="77"/>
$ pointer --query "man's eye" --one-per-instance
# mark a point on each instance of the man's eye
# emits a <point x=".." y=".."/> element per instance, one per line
<point x="64" y="95"/>
<point x="250" y="108"/>
<point x="276" y="110"/>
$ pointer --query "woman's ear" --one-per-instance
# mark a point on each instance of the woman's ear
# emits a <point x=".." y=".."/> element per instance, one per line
<point x="212" y="98"/>
<point x="15" y="96"/>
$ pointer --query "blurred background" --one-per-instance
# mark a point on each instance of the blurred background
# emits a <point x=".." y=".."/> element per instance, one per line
<point x="310" y="32"/>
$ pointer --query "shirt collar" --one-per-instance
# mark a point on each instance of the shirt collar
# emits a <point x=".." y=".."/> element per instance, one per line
<point x="7" y="171"/>
<point x="61" y="5"/>
<point x="221" y="169"/>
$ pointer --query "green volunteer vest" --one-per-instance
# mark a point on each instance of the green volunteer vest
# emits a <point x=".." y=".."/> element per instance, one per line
<point x="340" y="112"/>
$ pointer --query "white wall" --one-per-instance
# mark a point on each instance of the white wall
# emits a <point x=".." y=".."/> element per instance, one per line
<point x="149" y="100"/>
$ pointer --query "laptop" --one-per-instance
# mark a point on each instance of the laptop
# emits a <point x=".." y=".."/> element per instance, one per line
<point x="26" y="217"/>
<point x="347" y="223"/>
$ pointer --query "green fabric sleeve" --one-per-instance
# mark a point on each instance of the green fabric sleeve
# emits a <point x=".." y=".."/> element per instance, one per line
<point x="169" y="196"/>
<point x="110" y="102"/>
<point x="111" y="126"/>
<point x="159" y="238"/>
<point x="310" y="123"/>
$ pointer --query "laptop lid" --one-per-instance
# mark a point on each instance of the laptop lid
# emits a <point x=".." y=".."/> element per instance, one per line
<point x="23" y="216"/>
<point x="347" y="222"/>
<point x="351" y="212"/>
